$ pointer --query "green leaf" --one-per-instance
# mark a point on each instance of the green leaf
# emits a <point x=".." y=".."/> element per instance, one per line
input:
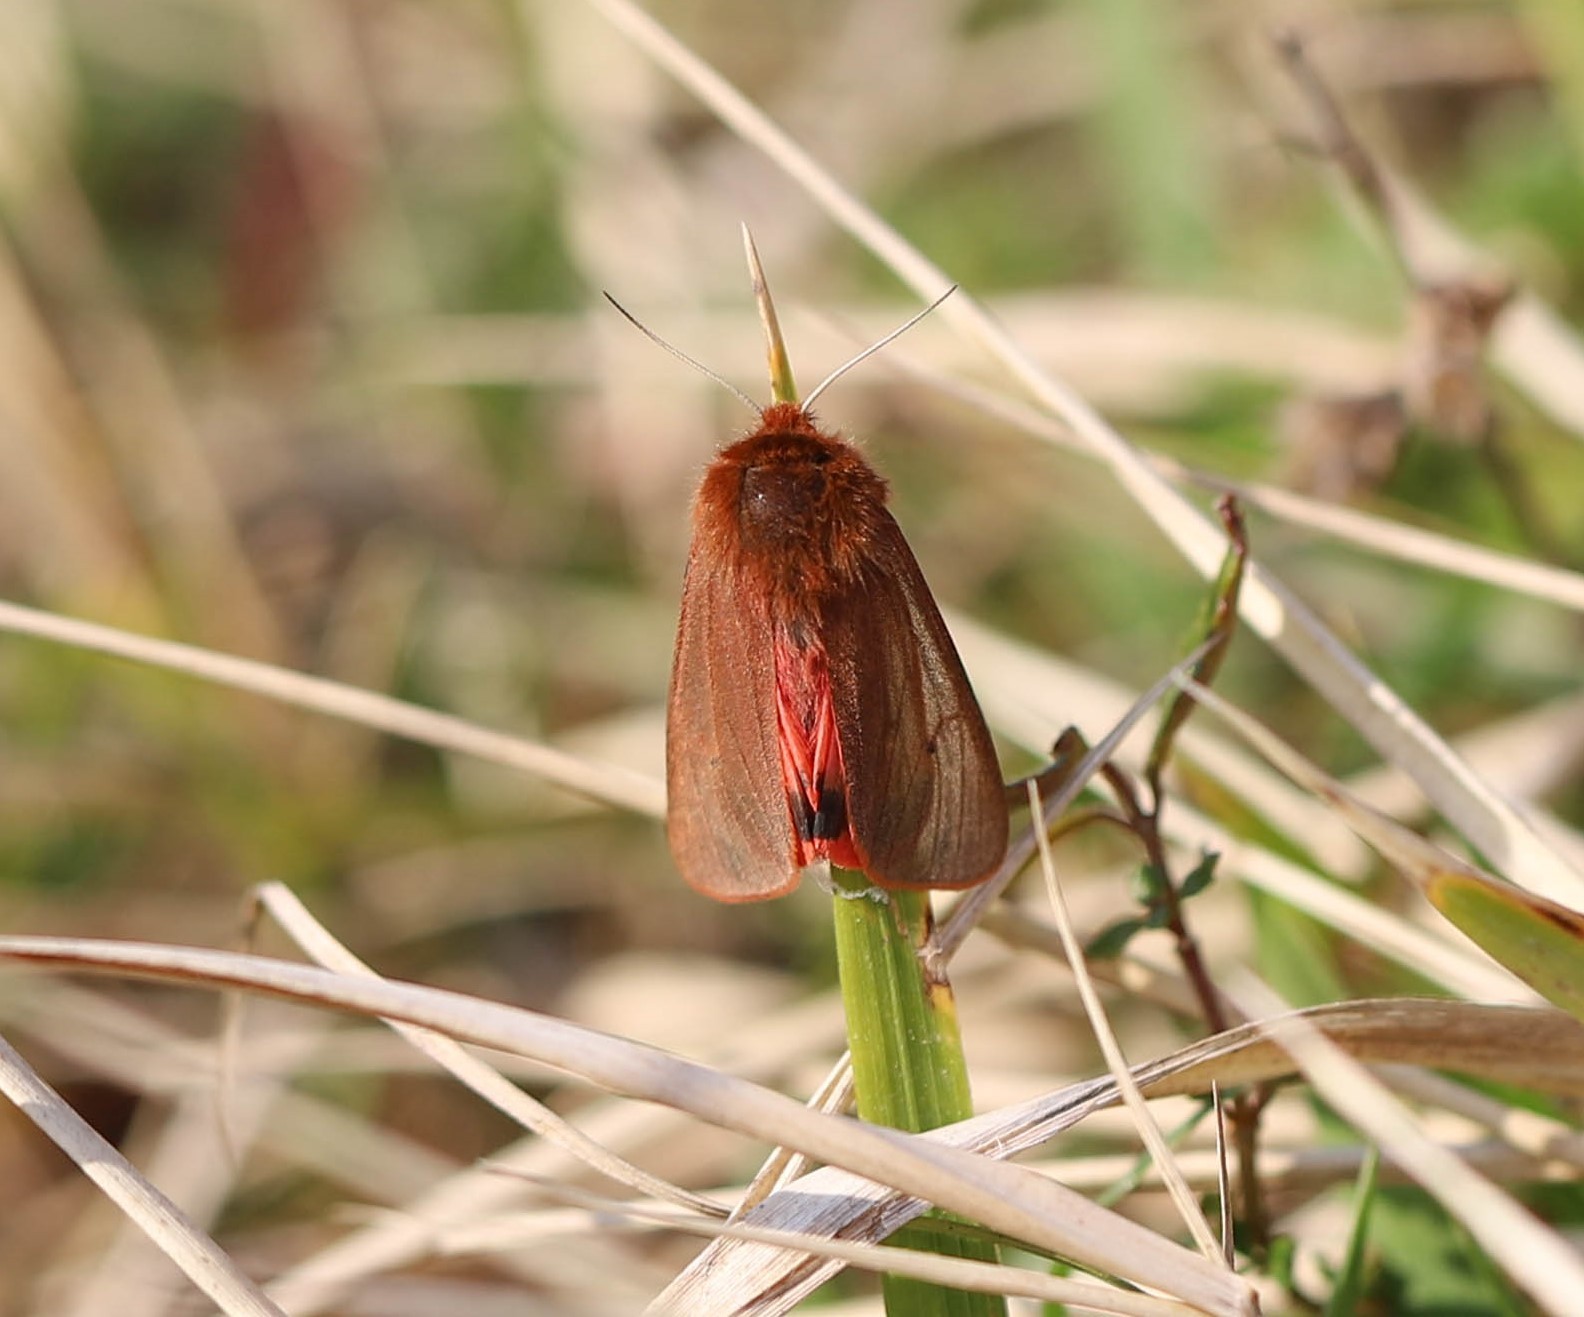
<point x="1349" y="1288"/>
<point x="1201" y="876"/>
<point x="1430" y="1266"/>
<point x="1538" y="940"/>
<point x="1110" y="941"/>
<point x="1149" y="885"/>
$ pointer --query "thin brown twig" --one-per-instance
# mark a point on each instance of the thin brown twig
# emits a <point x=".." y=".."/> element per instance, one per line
<point x="1334" y="139"/>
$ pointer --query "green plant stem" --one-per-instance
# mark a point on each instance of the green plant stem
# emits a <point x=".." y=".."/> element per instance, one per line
<point x="908" y="1066"/>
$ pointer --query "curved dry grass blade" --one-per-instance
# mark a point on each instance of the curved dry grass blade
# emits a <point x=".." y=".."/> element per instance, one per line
<point x="1534" y="1255"/>
<point x="198" y="1256"/>
<point x="499" y="1092"/>
<point x="605" y="782"/>
<point x="982" y="1277"/>
<point x="1003" y="1197"/>
<point x="1530" y="1046"/>
<point x="1268" y="607"/>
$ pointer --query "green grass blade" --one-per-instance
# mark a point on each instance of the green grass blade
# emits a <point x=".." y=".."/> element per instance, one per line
<point x="908" y="1065"/>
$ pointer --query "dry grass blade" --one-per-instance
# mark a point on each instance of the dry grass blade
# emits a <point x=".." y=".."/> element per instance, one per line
<point x="1282" y="1169"/>
<point x="1527" y="1132"/>
<point x="501" y="1093"/>
<point x="1538" y="1047"/>
<point x="1223" y="1181"/>
<point x="607" y="782"/>
<point x="1268" y="607"/>
<point x="233" y="414"/>
<point x="1187" y="1206"/>
<point x="1411" y="544"/>
<point x="1535" y="1256"/>
<point x="1363" y="530"/>
<point x="198" y="1256"/>
<point x="986" y="1278"/>
<point x="1534" y="347"/>
<point x="1005" y="1198"/>
<point x="401" y="1239"/>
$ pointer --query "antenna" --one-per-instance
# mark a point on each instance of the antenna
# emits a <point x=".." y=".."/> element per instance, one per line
<point x="873" y="348"/>
<point x="782" y="386"/>
<point x="683" y="356"/>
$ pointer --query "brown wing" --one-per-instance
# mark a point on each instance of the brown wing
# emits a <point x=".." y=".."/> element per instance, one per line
<point x="726" y="814"/>
<point x="925" y="802"/>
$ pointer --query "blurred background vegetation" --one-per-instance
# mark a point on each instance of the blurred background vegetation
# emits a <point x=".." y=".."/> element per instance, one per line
<point x="302" y="357"/>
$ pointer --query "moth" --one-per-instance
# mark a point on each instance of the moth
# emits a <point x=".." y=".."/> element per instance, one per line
<point x="818" y="710"/>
